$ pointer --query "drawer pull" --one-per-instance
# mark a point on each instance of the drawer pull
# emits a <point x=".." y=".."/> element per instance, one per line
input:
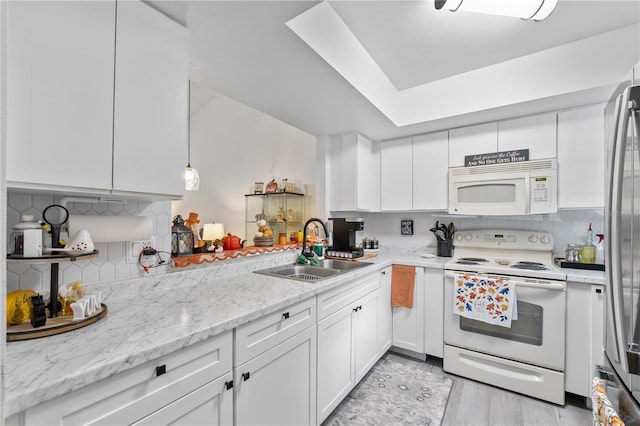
<point x="245" y="376"/>
<point x="161" y="369"/>
<point x="285" y="315"/>
<point x="228" y="384"/>
<point x="357" y="308"/>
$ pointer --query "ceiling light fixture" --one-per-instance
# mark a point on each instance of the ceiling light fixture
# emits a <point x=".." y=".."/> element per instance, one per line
<point x="525" y="9"/>
<point x="191" y="176"/>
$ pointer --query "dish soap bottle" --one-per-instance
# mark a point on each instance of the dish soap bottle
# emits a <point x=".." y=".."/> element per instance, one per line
<point x="589" y="249"/>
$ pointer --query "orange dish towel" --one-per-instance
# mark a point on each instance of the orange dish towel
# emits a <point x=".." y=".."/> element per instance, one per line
<point x="402" y="279"/>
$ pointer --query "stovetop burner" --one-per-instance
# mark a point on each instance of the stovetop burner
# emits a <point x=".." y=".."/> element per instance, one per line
<point x="471" y="260"/>
<point x="532" y="266"/>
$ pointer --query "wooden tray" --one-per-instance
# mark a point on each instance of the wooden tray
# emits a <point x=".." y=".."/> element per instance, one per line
<point x="58" y="325"/>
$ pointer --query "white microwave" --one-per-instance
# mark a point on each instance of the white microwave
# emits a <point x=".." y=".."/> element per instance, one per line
<point x="526" y="187"/>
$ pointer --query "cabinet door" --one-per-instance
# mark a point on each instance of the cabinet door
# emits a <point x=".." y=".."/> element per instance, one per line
<point x="385" y="324"/>
<point x="279" y="386"/>
<point x="479" y="139"/>
<point x="335" y="356"/>
<point x="365" y="334"/>
<point x="342" y="172"/>
<point x="353" y="173"/>
<point x="430" y="171"/>
<point x="581" y="158"/>
<point x="408" y="324"/>
<point x="396" y="176"/>
<point x="150" y="130"/>
<point x="434" y="312"/>
<point x="535" y="132"/>
<point x="60" y="94"/>
<point x="212" y="404"/>
<point x="585" y="331"/>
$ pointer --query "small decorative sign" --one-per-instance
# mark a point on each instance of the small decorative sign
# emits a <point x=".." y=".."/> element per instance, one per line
<point x="406" y="227"/>
<point x="513" y="156"/>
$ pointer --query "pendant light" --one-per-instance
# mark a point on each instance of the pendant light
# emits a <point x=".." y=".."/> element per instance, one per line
<point x="525" y="9"/>
<point x="191" y="176"/>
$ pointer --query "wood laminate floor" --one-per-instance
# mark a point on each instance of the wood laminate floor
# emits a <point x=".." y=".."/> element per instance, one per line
<point x="473" y="403"/>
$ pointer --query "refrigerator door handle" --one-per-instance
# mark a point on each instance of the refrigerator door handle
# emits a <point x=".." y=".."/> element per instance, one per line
<point x="614" y="274"/>
<point x="612" y="240"/>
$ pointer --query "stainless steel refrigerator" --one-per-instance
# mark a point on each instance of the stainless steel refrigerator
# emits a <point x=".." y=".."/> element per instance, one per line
<point x="621" y="374"/>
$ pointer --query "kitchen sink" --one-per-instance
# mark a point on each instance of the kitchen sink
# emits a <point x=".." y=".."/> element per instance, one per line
<point x="307" y="273"/>
<point x="341" y="265"/>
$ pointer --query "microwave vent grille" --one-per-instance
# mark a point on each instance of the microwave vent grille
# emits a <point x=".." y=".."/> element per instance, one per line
<point x="522" y="166"/>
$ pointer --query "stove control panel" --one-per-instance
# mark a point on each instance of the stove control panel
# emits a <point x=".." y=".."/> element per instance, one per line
<point x="493" y="238"/>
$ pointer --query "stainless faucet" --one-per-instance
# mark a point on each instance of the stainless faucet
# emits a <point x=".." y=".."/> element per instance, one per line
<point x="306" y="251"/>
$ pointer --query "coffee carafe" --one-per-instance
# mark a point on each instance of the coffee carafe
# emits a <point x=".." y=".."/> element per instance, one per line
<point x="345" y="238"/>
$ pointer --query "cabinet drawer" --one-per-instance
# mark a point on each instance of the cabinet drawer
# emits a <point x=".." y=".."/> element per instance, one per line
<point x="258" y="336"/>
<point x="339" y="297"/>
<point x="131" y="395"/>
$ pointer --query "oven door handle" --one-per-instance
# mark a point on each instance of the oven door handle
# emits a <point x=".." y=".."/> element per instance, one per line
<point x="540" y="284"/>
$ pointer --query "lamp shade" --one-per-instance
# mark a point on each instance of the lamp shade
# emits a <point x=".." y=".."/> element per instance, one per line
<point x="212" y="231"/>
<point x="191" y="179"/>
<point x="525" y="9"/>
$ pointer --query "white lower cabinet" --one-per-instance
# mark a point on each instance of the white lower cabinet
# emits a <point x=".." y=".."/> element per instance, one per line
<point x="408" y="323"/>
<point x="585" y="335"/>
<point x="347" y="340"/>
<point x="275" y="368"/>
<point x="421" y="328"/>
<point x="185" y="387"/>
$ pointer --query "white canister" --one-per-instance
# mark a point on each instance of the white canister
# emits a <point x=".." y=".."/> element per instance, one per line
<point x="32" y="246"/>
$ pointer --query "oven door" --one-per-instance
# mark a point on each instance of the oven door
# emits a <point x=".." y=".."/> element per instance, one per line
<point x="537" y="337"/>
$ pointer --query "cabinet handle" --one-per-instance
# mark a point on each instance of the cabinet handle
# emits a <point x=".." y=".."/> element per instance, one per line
<point x="598" y="290"/>
<point x="285" y="315"/>
<point x="161" y="369"/>
<point x="228" y="384"/>
<point x="357" y="308"/>
<point x="245" y="376"/>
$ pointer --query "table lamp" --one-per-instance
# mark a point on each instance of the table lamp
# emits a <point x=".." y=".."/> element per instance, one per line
<point x="213" y="232"/>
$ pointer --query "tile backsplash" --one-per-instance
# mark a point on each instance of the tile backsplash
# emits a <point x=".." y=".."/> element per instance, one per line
<point x="566" y="226"/>
<point x="110" y="265"/>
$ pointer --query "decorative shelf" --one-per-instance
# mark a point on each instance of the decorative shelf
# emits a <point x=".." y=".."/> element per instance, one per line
<point x="51" y="258"/>
<point x="199" y="258"/>
<point x="57" y="325"/>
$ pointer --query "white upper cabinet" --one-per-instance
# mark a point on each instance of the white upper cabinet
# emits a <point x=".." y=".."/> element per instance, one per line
<point x="464" y="141"/>
<point x="537" y="133"/>
<point x="61" y="89"/>
<point x="636" y="73"/>
<point x="430" y="153"/>
<point x="150" y="111"/>
<point x="353" y="173"/>
<point x="581" y="158"/>
<point x="60" y="94"/>
<point x="396" y="175"/>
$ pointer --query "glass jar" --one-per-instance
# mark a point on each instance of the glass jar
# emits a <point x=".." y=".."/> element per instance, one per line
<point x="572" y="253"/>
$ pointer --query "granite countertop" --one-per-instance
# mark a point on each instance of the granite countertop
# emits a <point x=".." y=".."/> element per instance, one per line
<point x="153" y="316"/>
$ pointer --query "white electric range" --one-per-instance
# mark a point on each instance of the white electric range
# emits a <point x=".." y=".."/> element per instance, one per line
<point x="528" y="355"/>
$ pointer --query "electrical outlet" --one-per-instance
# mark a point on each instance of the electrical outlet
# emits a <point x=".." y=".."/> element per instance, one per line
<point x="133" y="249"/>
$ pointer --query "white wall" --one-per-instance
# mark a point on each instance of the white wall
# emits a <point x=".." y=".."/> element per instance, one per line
<point x="233" y="146"/>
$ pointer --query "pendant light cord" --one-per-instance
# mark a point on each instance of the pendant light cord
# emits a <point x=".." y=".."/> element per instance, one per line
<point x="189" y="125"/>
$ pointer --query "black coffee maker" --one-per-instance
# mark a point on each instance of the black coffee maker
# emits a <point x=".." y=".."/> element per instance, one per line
<point x="345" y="241"/>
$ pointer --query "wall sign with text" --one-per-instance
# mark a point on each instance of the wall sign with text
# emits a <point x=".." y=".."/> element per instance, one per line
<point x="513" y="156"/>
